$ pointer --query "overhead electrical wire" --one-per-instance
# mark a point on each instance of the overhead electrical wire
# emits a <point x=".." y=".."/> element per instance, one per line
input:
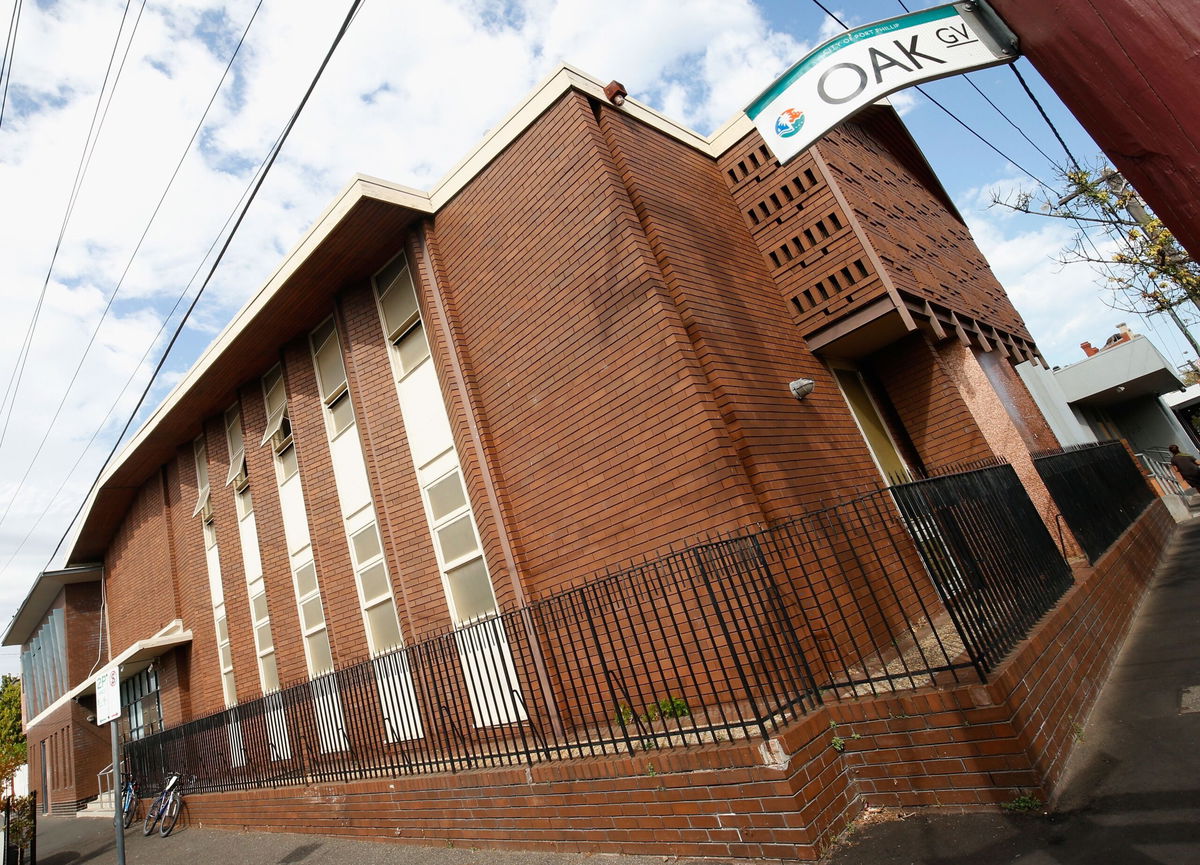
<point x="138" y="366"/>
<point x="10" y="50"/>
<point x="944" y="109"/>
<point x="129" y="264"/>
<point x="88" y="146"/>
<point x="269" y="162"/>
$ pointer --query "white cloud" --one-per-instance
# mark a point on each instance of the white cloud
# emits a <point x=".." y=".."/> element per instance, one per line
<point x="408" y="92"/>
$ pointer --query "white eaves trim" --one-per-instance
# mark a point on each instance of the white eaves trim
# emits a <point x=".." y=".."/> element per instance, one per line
<point x="362" y="186"/>
<point x="168" y="637"/>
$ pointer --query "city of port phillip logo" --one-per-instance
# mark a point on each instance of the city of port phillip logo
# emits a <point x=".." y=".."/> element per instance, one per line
<point x="789" y="122"/>
<point x="861" y="66"/>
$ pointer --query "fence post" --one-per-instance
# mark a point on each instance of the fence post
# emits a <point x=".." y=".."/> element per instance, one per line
<point x="737" y="661"/>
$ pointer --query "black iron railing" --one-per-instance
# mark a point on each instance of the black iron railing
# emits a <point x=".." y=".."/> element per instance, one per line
<point x="729" y="638"/>
<point x="994" y="562"/>
<point x="1099" y="490"/>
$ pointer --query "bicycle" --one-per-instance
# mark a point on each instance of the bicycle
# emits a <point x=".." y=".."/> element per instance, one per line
<point x="131" y="801"/>
<point x="166" y="806"/>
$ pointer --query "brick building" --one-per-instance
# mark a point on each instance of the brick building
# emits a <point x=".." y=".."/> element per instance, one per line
<point x="572" y="352"/>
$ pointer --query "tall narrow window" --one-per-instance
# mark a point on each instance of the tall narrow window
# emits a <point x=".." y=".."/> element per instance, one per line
<point x="354" y="494"/>
<point x="295" y="525"/>
<point x="318" y="654"/>
<point x="452" y="526"/>
<point x="483" y="650"/>
<point x="216" y="588"/>
<point x="256" y="590"/>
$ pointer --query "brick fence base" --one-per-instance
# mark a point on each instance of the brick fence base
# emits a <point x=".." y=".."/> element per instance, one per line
<point x="961" y="747"/>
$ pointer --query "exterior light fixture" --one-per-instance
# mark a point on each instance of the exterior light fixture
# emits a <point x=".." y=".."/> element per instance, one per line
<point x="615" y="92"/>
<point x="802" y="387"/>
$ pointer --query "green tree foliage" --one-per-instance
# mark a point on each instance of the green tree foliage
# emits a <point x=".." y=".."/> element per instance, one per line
<point x="1147" y="269"/>
<point x="12" y="737"/>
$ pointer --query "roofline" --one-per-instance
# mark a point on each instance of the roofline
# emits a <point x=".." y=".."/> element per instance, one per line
<point x="20" y="628"/>
<point x="540" y="99"/>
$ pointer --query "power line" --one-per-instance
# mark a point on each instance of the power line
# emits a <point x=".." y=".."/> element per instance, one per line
<point x="133" y="374"/>
<point x="10" y="50"/>
<point x="270" y="161"/>
<point x="944" y="109"/>
<point x="145" y="231"/>
<point x="23" y="354"/>
<point x="1045" y="116"/>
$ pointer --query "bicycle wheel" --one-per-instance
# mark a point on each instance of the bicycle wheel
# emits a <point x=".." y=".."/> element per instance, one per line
<point x="129" y="804"/>
<point x="170" y="813"/>
<point x="152" y="814"/>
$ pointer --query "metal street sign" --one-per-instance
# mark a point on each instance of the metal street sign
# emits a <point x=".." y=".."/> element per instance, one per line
<point x="863" y="65"/>
<point x="108" y="694"/>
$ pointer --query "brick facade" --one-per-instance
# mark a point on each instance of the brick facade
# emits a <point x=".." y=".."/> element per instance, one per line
<point x="614" y="316"/>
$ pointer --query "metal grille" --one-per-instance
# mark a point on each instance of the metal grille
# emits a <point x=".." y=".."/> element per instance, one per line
<point x="1099" y="490"/>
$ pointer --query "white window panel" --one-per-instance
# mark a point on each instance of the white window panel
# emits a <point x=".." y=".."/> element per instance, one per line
<point x="425" y="422"/>
<point x="295" y="521"/>
<point x="350" y="473"/>
<point x="201" y="457"/>
<point x="490" y="676"/>
<point x="237" y="748"/>
<point x="251" y="555"/>
<point x="397" y="698"/>
<point x="212" y="560"/>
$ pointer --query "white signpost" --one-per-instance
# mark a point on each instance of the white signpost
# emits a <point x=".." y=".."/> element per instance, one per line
<point x="863" y="65"/>
<point x="108" y="710"/>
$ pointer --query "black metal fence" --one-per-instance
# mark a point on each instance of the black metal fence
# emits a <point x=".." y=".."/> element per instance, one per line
<point x="925" y="583"/>
<point x="1099" y="490"/>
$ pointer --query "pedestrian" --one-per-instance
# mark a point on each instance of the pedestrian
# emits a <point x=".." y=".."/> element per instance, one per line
<point x="1185" y="464"/>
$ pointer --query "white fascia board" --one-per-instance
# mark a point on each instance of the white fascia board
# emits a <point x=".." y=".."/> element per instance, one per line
<point x="361" y="186"/>
<point x="167" y="638"/>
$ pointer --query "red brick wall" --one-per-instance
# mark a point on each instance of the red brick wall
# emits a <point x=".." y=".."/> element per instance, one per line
<point x="935" y="417"/>
<point x="928" y="251"/>
<point x="138" y="570"/>
<point x="81" y="624"/>
<point x="794" y="454"/>
<point x="586" y="385"/>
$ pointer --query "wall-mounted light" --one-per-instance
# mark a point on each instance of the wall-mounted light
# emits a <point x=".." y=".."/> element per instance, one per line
<point x="802" y="387"/>
<point x="615" y="92"/>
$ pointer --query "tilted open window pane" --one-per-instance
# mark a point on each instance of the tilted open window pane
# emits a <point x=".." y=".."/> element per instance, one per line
<point x="399" y="301"/>
<point x="472" y="591"/>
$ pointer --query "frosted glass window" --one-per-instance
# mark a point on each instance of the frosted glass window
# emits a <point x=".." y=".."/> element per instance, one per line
<point x="399" y="301"/>
<point x="383" y="627"/>
<point x="270" y="672"/>
<point x="471" y="590"/>
<point x="457" y="539"/>
<point x="226" y="657"/>
<point x="287" y="462"/>
<point x="375" y="582"/>
<point x="341" y="413"/>
<point x="311" y="614"/>
<point x="319" y="651"/>
<point x="258" y="607"/>
<point x="412" y="349"/>
<point x="306" y="579"/>
<point x="222" y="630"/>
<point x="263" y="632"/>
<point x="446" y="496"/>
<point x="366" y="544"/>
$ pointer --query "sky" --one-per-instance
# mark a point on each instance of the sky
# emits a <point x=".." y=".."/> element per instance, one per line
<point x="411" y="89"/>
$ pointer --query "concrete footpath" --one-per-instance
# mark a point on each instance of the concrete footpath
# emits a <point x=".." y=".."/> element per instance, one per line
<point x="1131" y="795"/>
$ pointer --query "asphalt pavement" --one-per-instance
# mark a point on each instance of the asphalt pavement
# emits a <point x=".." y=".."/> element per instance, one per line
<point x="1130" y="796"/>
